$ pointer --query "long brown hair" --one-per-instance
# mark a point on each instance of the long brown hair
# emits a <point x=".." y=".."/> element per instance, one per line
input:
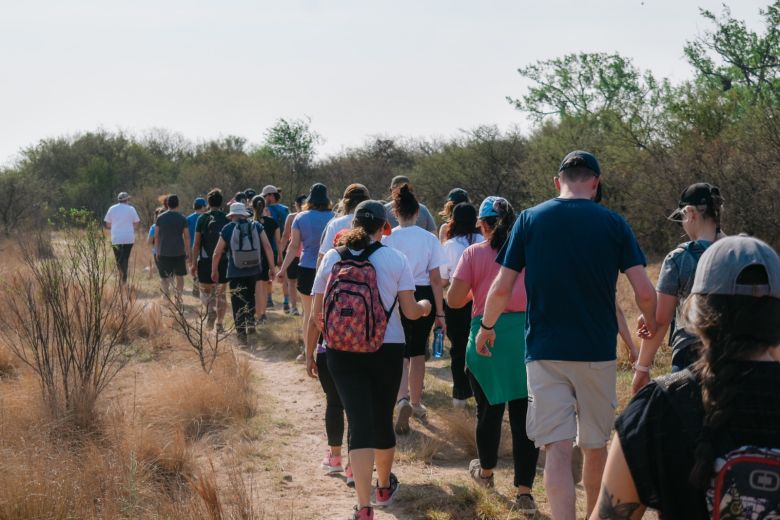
<point x="404" y="202"/>
<point x="731" y="328"/>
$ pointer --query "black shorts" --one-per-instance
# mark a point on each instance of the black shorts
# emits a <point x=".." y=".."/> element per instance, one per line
<point x="263" y="276"/>
<point x="204" y="270"/>
<point x="417" y="332"/>
<point x="305" y="280"/>
<point x="169" y="266"/>
<point x="292" y="270"/>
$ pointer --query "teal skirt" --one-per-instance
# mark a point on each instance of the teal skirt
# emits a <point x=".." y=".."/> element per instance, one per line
<point x="502" y="376"/>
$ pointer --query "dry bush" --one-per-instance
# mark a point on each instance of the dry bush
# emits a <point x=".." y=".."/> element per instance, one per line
<point x="7" y="361"/>
<point x="197" y="403"/>
<point x="459" y="428"/>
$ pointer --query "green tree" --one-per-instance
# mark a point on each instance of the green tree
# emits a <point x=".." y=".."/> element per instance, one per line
<point x="293" y="142"/>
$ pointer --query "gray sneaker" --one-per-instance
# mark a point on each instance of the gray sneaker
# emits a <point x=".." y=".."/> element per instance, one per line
<point x="403" y="413"/>
<point x="525" y="504"/>
<point x="475" y="470"/>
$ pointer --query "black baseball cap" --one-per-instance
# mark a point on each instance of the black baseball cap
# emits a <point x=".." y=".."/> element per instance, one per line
<point x="699" y="195"/>
<point x="458" y="195"/>
<point x="580" y="158"/>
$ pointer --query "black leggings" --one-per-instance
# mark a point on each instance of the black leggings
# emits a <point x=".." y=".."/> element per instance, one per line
<point x="122" y="256"/>
<point x="242" y="299"/>
<point x="489" y="420"/>
<point x="458" y="330"/>
<point x="334" y="410"/>
<point x="367" y="385"/>
<point x="418" y="331"/>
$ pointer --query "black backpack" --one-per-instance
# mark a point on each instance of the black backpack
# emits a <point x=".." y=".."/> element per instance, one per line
<point x="208" y="240"/>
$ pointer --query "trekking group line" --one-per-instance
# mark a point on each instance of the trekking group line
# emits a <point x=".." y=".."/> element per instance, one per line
<point x="527" y="299"/>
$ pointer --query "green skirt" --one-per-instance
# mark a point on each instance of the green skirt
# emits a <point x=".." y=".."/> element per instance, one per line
<point x="502" y="376"/>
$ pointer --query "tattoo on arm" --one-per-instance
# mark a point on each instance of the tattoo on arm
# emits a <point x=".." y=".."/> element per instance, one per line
<point x="610" y="508"/>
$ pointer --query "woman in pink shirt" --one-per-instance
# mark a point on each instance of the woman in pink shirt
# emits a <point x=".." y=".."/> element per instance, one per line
<point x="497" y="376"/>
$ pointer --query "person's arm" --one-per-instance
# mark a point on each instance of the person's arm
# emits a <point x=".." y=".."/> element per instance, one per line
<point x="136" y="220"/>
<point x="195" y="249"/>
<point x="619" y="499"/>
<point x="186" y="236"/>
<point x="443" y="233"/>
<point x="497" y="300"/>
<point x="313" y="333"/>
<point x="434" y="275"/>
<point x="292" y="248"/>
<point x="216" y="257"/>
<point x="269" y="254"/>
<point x="648" y="347"/>
<point x="278" y="242"/>
<point x="644" y="295"/>
<point x="411" y="308"/>
<point x="626" y="334"/>
<point x="459" y="294"/>
<point x="286" y="234"/>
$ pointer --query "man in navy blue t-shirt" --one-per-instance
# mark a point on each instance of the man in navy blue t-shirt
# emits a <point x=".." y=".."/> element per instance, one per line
<point x="572" y="250"/>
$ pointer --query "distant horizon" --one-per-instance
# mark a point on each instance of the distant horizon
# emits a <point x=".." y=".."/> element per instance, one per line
<point x="389" y="69"/>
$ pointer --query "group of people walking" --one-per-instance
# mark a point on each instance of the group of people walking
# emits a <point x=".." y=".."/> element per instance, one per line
<point x="528" y="301"/>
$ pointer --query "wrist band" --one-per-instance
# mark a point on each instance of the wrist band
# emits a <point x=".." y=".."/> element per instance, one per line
<point x="482" y="324"/>
<point x="640" y="368"/>
<point x="441" y="316"/>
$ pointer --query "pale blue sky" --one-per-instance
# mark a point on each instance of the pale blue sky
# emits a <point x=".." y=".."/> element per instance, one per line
<point x="207" y="69"/>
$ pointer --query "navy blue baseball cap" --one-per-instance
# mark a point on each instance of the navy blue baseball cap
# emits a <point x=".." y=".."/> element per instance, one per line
<point x="580" y="159"/>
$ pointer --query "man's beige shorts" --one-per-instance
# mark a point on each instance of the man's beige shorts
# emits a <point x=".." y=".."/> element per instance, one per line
<point x="571" y="400"/>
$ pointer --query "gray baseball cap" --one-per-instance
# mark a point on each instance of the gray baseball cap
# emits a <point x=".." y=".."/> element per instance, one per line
<point x="721" y="264"/>
<point x="371" y="209"/>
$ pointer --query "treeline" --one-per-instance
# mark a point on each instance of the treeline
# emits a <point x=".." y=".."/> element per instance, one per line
<point x="652" y="137"/>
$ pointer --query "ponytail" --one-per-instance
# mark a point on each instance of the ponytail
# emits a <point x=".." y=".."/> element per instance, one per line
<point x="501" y="225"/>
<point x="404" y="202"/>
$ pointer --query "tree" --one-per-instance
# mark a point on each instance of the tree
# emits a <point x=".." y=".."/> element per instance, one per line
<point x="293" y="142"/>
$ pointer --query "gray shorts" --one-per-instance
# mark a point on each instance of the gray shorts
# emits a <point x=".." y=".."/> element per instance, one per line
<point x="571" y="400"/>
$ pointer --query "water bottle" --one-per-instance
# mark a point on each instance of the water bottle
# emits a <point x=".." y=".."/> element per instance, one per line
<point x="438" y="343"/>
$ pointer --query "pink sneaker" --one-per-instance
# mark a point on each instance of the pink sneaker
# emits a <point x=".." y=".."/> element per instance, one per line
<point x="350" y="476"/>
<point x="365" y="513"/>
<point x="386" y="496"/>
<point x="331" y="464"/>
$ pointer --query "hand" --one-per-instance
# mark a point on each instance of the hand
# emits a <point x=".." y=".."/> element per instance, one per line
<point x="640" y="380"/>
<point x="633" y="354"/>
<point x="194" y="269"/>
<point x="427" y="307"/>
<point x="441" y="322"/>
<point x="646" y="327"/>
<point x="271" y="273"/>
<point x="215" y="276"/>
<point x="484" y="341"/>
<point x="279" y="276"/>
<point x="311" y="367"/>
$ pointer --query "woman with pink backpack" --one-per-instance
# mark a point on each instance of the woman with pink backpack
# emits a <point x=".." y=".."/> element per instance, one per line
<point x="358" y="291"/>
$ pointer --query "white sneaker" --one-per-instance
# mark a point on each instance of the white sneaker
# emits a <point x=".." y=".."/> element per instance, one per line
<point x="403" y="411"/>
<point x="419" y="410"/>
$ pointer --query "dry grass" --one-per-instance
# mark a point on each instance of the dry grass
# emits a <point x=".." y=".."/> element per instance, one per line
<point x="8" y="362"/>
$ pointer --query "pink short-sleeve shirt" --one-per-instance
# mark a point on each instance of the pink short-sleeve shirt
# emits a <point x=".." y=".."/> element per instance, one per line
<point x="478" y="268"/>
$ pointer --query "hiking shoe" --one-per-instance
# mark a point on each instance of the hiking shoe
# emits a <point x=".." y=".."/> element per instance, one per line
<point x="331" y="464"/>
<point x="525" y="504"/>
<point x="385" y="496"/>
<point x="242" y="338"/>
<point x="269" y="303"/>
<point x="475" y="470"/>
<point x="295" y="312"/>
<point x="459" y="403"/>
<point x="365" y="513"/>
<point x="403" y="413"/>
<point x="220" y="328"/>
<point x="286" y="307"/>
<point x="263" y="320"/>
<point x="350" y="476"/>
<point x="420" y="411"/>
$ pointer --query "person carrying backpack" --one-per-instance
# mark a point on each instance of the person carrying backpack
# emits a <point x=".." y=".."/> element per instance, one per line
<point x="271" y="229"/>
<point x="705" y="442"/>
<point x="207" y="232"/>
<point x="358" y="291"/>
<point x="245" y="243"/>
<point x="698" y="212"/>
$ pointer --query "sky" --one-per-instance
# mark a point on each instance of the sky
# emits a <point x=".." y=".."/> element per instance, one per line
<point x="357" y="68"/>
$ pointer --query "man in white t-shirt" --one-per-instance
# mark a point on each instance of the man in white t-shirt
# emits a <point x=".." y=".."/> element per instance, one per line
<point x="122" y="219"/>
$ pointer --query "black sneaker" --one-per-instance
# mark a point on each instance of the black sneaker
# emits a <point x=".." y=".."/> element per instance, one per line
<point x="286" y="307"/>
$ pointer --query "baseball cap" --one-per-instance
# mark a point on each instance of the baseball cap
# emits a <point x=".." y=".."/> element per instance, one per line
<point x="465" y="213"/>
<point x="355" y="190"/>
<point x="398" y="180"/>
<point x="238" y="208"/>
<point x="721" y="265"/>
<point x="123" y="196"/>
<point x="580" y="158"/>
<point x="249" y="192"/>
<point x="269" y="190"/>
<point x="458" y="195"/>
<point x="199" y="203"/>
<point x="493" y="206"/>
<point x="371" y="209"/>
<point x="700" y="194"/>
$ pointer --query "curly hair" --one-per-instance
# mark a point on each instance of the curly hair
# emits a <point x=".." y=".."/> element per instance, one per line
<point x="731" y="328"/>
<point x="359" y="237"/>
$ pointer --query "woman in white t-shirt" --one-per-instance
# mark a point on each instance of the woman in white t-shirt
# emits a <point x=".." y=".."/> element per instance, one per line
<point x="367" y="382"/>
<point x="459" y="232"/>
<point x="425" y="255"/>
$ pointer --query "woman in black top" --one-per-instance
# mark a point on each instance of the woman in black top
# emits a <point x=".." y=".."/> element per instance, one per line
<point x="674" y="432"/>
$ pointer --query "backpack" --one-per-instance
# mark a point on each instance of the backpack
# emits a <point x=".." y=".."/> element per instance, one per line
<point x="209" y="239"/>
<point x="746" y="481"/>
<point x="354" y="319"/>
<point x="695" y="250"/>
<point x="245" y="245"/>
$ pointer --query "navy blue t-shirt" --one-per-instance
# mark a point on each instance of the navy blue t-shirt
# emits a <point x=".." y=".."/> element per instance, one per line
<point x="572" y="251"/>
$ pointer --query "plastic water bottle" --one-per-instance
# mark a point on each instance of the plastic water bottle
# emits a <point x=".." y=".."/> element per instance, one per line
<point x="438" y="343"/>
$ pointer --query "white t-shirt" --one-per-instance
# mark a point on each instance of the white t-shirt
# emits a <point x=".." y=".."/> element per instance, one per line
<point x="453" y="250"/>
<point x="422" y="250"/>
<point x="332" y="229"/>
<point x="392" y="275"/>
<point x="122" y="218"/>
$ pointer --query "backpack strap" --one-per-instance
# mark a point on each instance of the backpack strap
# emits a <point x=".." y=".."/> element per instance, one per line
<point x="345" y="253"/>
<point x="682" y="392"/>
